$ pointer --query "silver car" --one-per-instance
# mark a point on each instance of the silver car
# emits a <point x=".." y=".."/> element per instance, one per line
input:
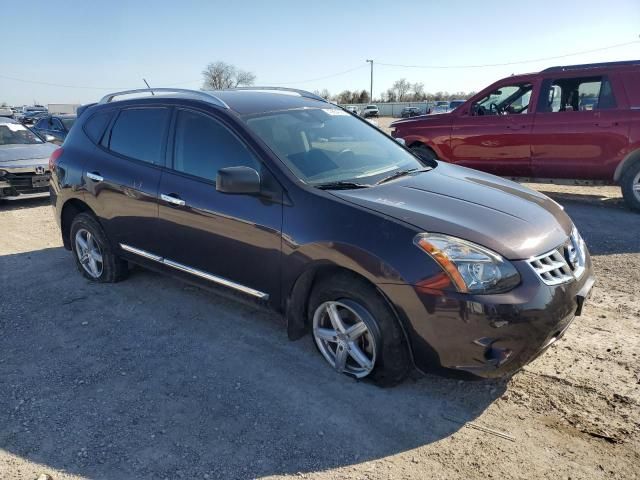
<point x="24" y="162"/>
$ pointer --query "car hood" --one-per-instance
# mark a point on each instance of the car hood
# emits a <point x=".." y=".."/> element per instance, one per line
<point x="504" y="216"/>
<point x="432" y="118"/>
<point x="11" y="155"/>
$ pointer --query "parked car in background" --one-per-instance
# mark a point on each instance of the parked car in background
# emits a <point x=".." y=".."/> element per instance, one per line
<point x="54" y="128"/>
<point x="453" y="104"/>
<point x="370" y="111"/>
<point x="408" y="112"/>
<point x="24" y="162"/>
<point x="545" y="126"/>
<point x="6" y="112"/>
<point x="440" y="107"/>
<point x="31" y="117"/>
<point x="387" y="260"/>
<point x="353" y="109"/>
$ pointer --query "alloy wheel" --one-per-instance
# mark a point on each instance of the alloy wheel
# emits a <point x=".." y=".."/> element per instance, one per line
<point x="89" y="253"/>
<point x="344" y="339"/>
<point x="636" y="186"/>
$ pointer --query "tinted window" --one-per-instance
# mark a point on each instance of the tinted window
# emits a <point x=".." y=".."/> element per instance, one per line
<point x="95" y="126"/>
<point x="576" y="94"/>
<point x="139" y="133"/>
<point x="203" y="146"/>
<point x="56" y="125"/>
<point x="43" y="124"/>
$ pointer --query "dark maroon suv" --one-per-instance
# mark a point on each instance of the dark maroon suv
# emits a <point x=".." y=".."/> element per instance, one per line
<point x="573" y="124"/>
<point x="388" y="260"/>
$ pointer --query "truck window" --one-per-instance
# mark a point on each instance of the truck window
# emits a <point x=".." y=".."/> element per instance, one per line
<point x="576" y="94"/>
<point x="506" y="100"/>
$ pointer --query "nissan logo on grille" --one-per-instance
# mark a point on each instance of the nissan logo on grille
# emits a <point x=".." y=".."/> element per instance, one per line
<point x="40" y="170"/>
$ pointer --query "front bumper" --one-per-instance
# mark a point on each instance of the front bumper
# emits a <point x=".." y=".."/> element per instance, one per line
<point x="488" y="335"/>
<point x="24" y="182"/>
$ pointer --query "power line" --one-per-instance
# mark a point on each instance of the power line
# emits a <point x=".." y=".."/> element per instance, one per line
<point x="319" y="78"/>
<point x="510" y="63"/>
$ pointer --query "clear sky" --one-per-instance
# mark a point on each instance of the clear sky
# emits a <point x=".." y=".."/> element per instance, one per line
<point x="109" y="45"/>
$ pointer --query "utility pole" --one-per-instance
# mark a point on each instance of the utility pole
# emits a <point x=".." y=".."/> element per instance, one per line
<point x="371" y="91"/>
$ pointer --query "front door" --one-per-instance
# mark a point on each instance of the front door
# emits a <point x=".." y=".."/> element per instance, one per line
<point x="229" y="239"/>
<point x="580" y="129"/>
<point x="494" y="136"/>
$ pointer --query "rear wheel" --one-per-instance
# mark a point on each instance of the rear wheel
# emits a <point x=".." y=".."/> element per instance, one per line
<point x="356" y="332"/>
<point x="93" y="254"/>
<point x="630" y="183"/>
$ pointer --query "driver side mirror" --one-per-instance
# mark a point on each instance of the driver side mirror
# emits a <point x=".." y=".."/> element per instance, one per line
<point x="244" y="180"/>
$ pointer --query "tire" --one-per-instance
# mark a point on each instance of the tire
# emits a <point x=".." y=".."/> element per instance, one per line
<point x="630" y="183"/>
<point x="424" y="152"/>
<point x="111" y="268"/>
<point x="384" y="343"/>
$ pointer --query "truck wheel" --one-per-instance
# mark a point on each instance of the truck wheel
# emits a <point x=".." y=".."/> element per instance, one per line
<point x="630" y="183"/>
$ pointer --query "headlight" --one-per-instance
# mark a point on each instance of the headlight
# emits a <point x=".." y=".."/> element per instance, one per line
<point x="470" y="267"/>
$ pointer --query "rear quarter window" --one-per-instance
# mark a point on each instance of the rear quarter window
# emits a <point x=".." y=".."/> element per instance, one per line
<point x="95" y="126"/>
<point x="632" y="87"/>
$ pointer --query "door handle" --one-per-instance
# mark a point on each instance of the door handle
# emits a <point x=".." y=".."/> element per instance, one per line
<point x="95" y="176"/>
<point x="173" y="199"/>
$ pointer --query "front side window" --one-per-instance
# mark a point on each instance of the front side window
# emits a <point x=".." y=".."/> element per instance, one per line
<point x="506" y="100"/>
<point x="576" y="94"/>
<point x="139" y="133"/>
<point x="203" y="146"/>
<point x="324" y="145"/>
<point x="17" y="134"/>
<point x="56" y="125"/>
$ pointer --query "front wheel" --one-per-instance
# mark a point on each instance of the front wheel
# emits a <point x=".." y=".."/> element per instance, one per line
<point x="630" y="183"/>
<point x="356" y="332"/>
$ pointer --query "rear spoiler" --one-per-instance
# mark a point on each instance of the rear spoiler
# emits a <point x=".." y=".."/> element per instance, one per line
<point x="82" y="108"/>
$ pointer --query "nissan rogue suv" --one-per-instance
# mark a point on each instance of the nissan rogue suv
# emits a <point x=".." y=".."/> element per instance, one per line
<point x="569" y="124"/>
<point x="389" y="261"/>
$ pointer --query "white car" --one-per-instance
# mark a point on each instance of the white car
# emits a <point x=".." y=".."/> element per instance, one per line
<point x="6" y="112"/>
<point x="353" y="109"/>
<point x="370" y="111"/>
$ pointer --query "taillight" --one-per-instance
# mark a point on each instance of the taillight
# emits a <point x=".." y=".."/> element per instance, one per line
<point x="53" y="159"/>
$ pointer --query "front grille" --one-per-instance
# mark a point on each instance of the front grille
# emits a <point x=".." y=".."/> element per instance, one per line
<point x="562" y="264"/>
<point x="22" y="183"/>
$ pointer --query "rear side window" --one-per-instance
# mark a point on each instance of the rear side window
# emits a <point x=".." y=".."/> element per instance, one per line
<point x="576" y="94"/>
<point x="95" y="126"/>
<point x="203" y="146"/>
<point x="139" y="133"/>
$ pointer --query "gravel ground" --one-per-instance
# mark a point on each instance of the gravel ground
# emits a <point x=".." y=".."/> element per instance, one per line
<point x="151" y="378"/>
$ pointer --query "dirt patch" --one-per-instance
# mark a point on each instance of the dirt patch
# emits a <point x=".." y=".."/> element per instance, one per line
<point x="150" y="378"/>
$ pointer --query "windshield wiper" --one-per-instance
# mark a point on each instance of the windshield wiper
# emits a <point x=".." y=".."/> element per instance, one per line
<point x="402" y="173"/>
<point x="341" y="185"/>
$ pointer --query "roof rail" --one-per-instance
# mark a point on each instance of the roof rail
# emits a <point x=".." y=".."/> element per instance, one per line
<point x="207" y="96"/>
<point x="583" y="66"/>
<point x="302" y="93"/>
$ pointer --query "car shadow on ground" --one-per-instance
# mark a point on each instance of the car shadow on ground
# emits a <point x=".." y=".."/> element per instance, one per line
<point x="154" y="378"/>
<point x="607" y="228"/>
<point x="6" y="205"/>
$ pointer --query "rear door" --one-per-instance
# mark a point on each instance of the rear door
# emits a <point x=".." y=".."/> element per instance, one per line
<point x="495" y="134"/>
<point x="581" y="129"/>
<point x="123" y="175"/>
<point x="215" y="236"/>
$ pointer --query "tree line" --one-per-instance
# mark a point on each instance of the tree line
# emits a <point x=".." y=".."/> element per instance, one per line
<point x="220" y="75"/>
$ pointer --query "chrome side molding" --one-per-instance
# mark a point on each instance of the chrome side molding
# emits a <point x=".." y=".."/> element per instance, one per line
<point x="198" y="273"/>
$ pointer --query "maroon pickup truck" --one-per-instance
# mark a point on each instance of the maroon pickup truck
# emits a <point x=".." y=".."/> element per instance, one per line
<point x="573" y="124"/>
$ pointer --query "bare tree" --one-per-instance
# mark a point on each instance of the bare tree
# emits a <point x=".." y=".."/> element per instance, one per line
<point x="401" y="88"/>
<point x="418" y="91"/>
<point x="220" y="75"/>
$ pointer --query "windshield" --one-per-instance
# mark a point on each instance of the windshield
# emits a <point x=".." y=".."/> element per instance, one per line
<point x="17" y="134"/>
<point x="456" y="103"/>
<point x="329" y="145"/>
<point x="68" y="122"/>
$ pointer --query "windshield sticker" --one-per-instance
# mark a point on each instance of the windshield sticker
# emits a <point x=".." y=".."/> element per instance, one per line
<point x="14" y="127"/>
<point x="334" y="111"/>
